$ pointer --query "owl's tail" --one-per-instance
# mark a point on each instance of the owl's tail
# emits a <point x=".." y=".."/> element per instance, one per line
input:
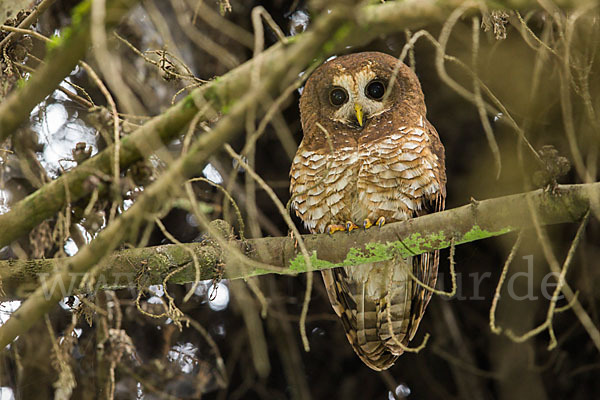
<point x="377" y="320"/>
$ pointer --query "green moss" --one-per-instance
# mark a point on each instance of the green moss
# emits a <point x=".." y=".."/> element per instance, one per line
<point x="374" y="252"/>
<point x="418" y="244"/>
<point x="216" y="95"/>
<point x="477" y="233"/>
<point x="188" y="102"/>
<point x="298" y="264"/>
<point x="80" y="12"/>
<point x="338" y="36"/>
<point x="55" y="41"/>
<point x="226" y="108"/>
<point x="342" y="32"/>
<point x="211" y="94"/>
<point x="291" y="39"/>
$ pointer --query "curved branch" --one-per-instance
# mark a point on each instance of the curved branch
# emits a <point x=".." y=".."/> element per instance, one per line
<point x="476" y="221"/>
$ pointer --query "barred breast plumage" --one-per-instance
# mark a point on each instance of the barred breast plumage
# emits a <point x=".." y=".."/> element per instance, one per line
<point x="387" y="163"/>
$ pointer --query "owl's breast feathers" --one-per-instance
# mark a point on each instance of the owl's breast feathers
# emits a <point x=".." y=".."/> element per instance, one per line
<point x="395" y="170"/>
<point x="398" y="175"/>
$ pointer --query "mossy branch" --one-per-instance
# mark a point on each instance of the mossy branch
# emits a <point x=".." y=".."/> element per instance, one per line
<point x="476" y="221"/>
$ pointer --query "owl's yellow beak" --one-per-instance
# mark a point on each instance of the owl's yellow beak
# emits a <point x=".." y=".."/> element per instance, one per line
<point x="359" y="114"/>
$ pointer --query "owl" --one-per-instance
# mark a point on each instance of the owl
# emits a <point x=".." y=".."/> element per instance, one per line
<point x="368" y="157"/>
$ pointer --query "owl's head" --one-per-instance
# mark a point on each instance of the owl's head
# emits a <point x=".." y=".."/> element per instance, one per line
<point x="352" y="89"/>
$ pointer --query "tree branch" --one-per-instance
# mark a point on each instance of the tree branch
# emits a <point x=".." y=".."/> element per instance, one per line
<point x="29" y="20"/>
<point x="476" y="221"/>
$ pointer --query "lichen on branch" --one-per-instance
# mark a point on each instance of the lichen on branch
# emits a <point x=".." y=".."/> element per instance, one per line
<point x="476" y="221"/>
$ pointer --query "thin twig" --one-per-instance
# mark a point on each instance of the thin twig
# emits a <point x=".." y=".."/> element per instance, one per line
<point x="497" y="330"/>
<point x="288" y="220"/>
<point x="22" y="31"/>
<point x="579" y="311"/>
<point x="485" y="122"/>
<point x="116" y="135"/>
<point x="29" y="20"/>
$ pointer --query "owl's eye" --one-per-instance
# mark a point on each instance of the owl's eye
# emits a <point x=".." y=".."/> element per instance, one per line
<point x="375" y="90"/>
<point x="338" y="96"/>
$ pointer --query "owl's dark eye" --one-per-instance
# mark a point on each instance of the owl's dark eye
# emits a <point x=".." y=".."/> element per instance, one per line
<point x="338" y="96"/>
<point x="375" y="90"/>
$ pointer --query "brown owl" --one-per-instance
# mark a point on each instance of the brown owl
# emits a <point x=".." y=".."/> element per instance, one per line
<point x="369" y="156"/>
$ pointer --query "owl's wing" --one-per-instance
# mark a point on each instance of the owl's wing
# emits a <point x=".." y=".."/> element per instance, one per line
<point x="404" y="173"/>
<point x="425" y="266"/>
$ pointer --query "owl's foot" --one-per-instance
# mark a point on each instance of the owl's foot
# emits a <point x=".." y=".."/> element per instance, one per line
<point x="367" y="222"/>
<point x="331" y="229"/>
<point x="349" y="226"/>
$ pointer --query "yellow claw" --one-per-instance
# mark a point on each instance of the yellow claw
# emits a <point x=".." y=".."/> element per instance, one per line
<point x="350" y="226"/>
<point x="359" y="113"/>
<point x="331" y="229"/>
<point x="380" y="221"/>
<point x="367" y="223"/>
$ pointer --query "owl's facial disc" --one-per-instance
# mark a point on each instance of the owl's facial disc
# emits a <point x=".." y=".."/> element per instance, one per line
<point x="357" y="98"/>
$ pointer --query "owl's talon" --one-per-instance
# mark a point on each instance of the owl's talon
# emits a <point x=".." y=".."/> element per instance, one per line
<point x="380" y="221"/>
<point x="350" y="226"/>
<point x="367" y="224"/>
<point x="331" y="229"/>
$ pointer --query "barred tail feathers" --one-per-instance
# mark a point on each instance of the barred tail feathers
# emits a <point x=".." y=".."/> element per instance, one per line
<point x="359" y="318"/>
<point x="359" y="295"/>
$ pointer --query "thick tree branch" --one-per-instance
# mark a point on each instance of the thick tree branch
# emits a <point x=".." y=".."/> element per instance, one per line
<point x="479" y="220"/>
